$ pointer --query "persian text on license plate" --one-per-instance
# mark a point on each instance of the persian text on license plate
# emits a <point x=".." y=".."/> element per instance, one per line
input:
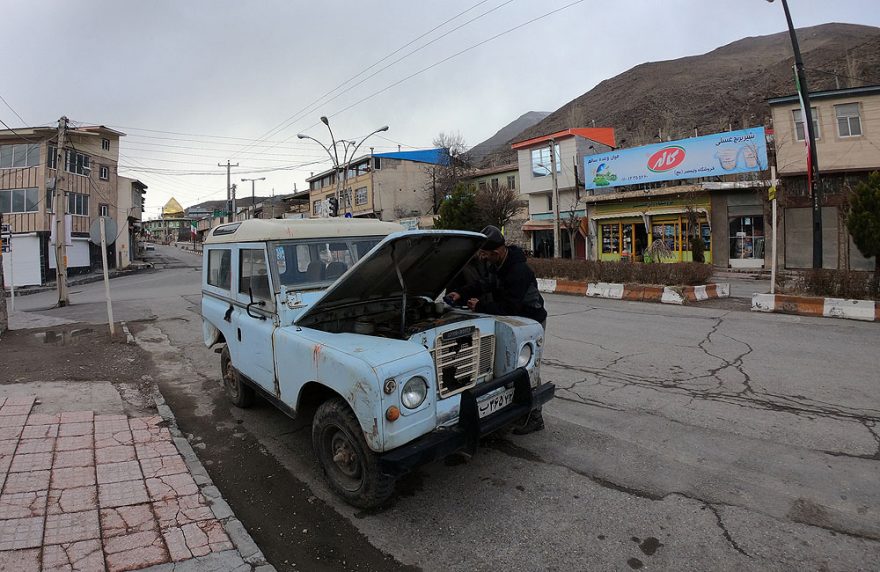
<point x="495" y="403"/>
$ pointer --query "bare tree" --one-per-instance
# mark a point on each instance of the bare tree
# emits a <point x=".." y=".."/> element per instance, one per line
<point x="497" y="204"/>
<point x="444" y="177"/>
<point x="570" y="222"/>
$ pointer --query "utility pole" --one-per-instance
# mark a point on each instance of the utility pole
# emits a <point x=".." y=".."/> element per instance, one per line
<point x="4" y="315"/>
<point x="253" y="194"/>
<point x="60" y="217"/>
<point x="230" y="196"/>
<point x="557" y="247"/>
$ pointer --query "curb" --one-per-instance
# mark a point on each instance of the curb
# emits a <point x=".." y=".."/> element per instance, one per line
<point x="86" y="279"/>
<point x="678" y="295"/>
<point x="241" y="539"/>
<point x="863" y="310"/>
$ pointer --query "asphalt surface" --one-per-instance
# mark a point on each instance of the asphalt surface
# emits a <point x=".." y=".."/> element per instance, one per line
<point x="685" y="438"/>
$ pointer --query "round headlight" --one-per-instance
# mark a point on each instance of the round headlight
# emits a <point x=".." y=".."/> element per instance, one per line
<point x="525" y="356"/>
<point x="414" y="392"/>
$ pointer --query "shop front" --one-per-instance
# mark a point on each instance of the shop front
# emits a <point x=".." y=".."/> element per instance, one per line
<point x="626" y="230"/>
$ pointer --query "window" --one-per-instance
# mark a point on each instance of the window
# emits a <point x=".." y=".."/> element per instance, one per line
<point x="219" y="268"/>
<point x="316" y="207"/>
<point x="345" y="200"/>
<point x="300" y="263"/>
<point x="103" y="210"/>
<point x="19" y="200"/>
<point x="482" y="185"/>
<point x="18" y="156"/>
<point x="511" y="182"/>
<point x="377" y="164"/>
<point x="253" y="279"/>
<point x="747" y="237"/>
<point x="541" y="163"/>
<point x="610" y="238"/>
<point x="494" y="183"/>
<point x="77" y="163"/>
<point x="52" y="157"/>
<point x="549" y="202"/>
<point x="360" y="196"/>
<point x="104" y="173"/>
<point x="78" y="204"/>
<point x="799" y="123"/>
<point x="50" y="201"/>
<point x="105" y="144"/>
<point x="849" y="124"/>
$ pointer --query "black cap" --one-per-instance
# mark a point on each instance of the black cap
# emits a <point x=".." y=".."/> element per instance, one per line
<point x="494" y="238"/>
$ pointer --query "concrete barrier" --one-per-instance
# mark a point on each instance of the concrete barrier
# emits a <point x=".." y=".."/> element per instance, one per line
<point x="635" y="292"/>
<point x="865" y="310"/>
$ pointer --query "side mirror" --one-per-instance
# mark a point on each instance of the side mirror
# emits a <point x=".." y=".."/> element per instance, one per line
<point x="261" y="303"/>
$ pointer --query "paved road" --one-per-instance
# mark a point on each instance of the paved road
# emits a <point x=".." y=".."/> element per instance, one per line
<point x="685" y="438"/>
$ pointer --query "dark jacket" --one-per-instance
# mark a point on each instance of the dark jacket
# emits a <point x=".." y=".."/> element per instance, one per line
<point x="513" y="287"/>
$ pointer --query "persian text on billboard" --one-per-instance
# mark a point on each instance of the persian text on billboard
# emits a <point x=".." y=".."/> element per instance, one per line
<point x="707" y="156"/>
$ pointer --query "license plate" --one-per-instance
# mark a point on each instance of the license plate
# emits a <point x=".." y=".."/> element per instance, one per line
<point x="490" y="405"/>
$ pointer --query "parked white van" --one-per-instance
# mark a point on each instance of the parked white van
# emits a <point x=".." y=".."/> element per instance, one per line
<point x="339" y="319"/>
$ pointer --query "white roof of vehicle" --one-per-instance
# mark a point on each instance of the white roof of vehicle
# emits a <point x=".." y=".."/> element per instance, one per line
<point x="259" y="230"/>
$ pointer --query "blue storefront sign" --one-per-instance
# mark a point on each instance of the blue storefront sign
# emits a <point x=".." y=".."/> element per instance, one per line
<point x="713" y="155"/>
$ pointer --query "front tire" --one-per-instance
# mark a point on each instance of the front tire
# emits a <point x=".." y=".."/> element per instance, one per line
<point x="351" y="468"/>
<point x="238" y="392"/>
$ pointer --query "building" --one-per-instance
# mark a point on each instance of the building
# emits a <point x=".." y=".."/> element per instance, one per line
<point x="536" y="181"/>
<point x="712" y="186"/>
<point x="130" y="212"/>
<point x="174" y="226"/>
<point x="507" y="176"/>
<point x="88" y="178"/>
<point x="847" y="127"/>
<point x="388" y="186"/>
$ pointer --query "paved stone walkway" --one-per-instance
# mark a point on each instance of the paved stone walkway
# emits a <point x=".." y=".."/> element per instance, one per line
<point x="82" y="491"/>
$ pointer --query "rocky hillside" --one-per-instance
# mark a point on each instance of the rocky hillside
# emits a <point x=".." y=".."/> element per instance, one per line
<point x="480" y="154"/>
<point x="725" y="87"/>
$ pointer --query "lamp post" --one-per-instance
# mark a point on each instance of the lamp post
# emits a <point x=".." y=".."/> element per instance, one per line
<point x="347" y="145"/>
<point x="810" y="136"/>
<point x="253" y="194"/>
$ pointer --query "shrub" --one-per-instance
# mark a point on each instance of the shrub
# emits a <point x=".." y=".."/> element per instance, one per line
<point x="673" y="274"/>
<point x="840" y="284"/>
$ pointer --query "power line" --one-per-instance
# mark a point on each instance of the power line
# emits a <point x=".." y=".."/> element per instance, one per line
<point x="446" y="59"/>
<point x="301" y="113"/>
<point x="23" y="122"/>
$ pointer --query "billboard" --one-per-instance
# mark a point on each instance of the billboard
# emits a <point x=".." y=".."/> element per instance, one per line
<point x="713" y="155"/>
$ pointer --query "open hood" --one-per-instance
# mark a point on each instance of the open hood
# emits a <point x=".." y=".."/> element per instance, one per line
<point x="427" y="261"/>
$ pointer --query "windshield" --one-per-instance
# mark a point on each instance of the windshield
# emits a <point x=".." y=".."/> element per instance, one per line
<point x="302" y="264"/>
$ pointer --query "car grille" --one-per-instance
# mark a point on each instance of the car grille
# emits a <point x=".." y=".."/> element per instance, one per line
<point x="461" y="359"/>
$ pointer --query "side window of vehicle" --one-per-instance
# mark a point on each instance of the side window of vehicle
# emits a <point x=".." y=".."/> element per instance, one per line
<point x="253" y="275"/>
<point x="220" y="268"/>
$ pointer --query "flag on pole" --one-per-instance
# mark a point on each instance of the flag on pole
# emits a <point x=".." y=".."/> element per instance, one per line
<point x="808" y="128"/>
<point x="192" y="229"/>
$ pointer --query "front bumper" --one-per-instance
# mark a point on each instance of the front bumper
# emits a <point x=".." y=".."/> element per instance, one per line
<point x="466" y="434"/>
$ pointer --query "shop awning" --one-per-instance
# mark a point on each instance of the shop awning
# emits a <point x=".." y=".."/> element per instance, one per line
<point x="533" y="225"/>
<point x="650" y="212"/>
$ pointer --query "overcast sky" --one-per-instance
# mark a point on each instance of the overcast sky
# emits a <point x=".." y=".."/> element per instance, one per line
<point x="194" y="83"/>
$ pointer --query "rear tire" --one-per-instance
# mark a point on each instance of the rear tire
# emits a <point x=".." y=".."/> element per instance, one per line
<point x="351" y="468"/>
<point x="238" y="392"/>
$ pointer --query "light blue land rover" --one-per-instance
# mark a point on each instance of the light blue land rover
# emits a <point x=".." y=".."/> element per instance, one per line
<point x="339" y="320"/>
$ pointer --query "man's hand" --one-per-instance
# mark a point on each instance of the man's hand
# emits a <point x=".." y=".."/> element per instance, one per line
<point x="472" y="304"/>
<point x="453" y="297"/>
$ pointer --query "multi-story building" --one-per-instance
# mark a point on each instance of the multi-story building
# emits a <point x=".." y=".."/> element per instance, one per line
<point x="130" y="212"/>
<point x="88" y="178"/>
<point x="388" y="186"/>
<point x="846" y="123"/>
<point x="174" y="226"/>
<point x="535" y="165"/>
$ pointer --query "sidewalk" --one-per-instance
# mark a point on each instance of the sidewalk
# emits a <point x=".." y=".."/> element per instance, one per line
<point x="95" y="276"/>
<point x="94" y="475"/>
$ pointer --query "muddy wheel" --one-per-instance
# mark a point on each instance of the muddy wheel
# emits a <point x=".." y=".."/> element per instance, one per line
<point x="352" y="470"/>
<point x="239" y="393"/>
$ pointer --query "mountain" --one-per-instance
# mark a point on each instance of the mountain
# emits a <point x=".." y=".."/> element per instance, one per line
<point x="724" y="88"/>
<point x="480" y="154"/>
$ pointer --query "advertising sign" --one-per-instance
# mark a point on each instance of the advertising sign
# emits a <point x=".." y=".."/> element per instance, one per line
<point x="713" y="155"/>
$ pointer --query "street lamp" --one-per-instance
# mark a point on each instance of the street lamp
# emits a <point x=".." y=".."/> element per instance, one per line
<point x="253" y="195"/>
<point x="346" y="156"/>
<point x="812" y="161"/>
